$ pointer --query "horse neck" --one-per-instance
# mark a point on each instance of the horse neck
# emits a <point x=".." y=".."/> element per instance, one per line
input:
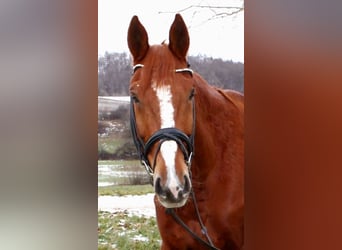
<point x="208" y="130"/>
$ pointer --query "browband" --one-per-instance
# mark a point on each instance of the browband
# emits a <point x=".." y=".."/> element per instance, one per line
<point x="137" y="66"/>
<point x="184" y="70"/>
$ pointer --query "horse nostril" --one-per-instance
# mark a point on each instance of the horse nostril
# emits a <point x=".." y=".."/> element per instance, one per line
<point x="157" y="187"/>
<point x="180" y="194"/>
<point x="187" y="185"/>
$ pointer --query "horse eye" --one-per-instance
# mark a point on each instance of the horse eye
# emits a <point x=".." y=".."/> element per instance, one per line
<point x="135" y="98"/>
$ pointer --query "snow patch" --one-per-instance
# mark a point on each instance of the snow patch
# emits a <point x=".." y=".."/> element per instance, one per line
<point x="140" y="238"/>
<point x="141" y="205"/>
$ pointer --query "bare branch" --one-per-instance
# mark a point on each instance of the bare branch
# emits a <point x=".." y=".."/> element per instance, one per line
<point x="212" y="8"/>
<point x="217" y="11"/>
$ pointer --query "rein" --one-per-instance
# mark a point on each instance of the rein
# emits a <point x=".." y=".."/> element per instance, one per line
<point x="204" y="231"/>
<point x="184" y="142"/>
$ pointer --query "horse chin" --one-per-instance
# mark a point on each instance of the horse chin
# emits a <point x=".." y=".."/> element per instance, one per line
<point x="168" y="204"/>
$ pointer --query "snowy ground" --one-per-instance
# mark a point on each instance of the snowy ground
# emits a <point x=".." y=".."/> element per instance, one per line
<point x="133" y="204"/>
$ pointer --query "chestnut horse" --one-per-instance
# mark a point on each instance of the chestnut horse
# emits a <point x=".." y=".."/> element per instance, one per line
<point x="190" y="138"/>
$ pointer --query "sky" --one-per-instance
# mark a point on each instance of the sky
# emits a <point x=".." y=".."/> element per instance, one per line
<point x="219" y="38"/>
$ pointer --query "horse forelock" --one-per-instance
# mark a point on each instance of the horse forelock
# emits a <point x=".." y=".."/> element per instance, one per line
<point x="162" y="65"/>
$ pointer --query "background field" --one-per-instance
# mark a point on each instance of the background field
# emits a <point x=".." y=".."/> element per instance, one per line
<point x="120" y="175"/>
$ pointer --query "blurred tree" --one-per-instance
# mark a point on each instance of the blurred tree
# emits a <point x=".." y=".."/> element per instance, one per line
<point x="114" y="72"/>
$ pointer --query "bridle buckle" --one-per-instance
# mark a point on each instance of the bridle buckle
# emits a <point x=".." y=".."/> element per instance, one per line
<point x="148" y="169"/>
<point x="188" y="162"/>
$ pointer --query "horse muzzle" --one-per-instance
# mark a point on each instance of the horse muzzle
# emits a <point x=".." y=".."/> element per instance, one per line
<point x="173" y="194"/>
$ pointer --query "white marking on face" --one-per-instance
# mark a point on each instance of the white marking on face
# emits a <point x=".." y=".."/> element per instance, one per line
<point x="168" y="148"/>
<point x="168" y="151"/>
<point x="154" y="86"/>
<point x="166" y="108"/>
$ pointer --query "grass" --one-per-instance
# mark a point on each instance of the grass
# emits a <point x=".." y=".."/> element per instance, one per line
<point x="125" y="232"/>
<point x="125" y="190"/>
<point x="120" y="230"/>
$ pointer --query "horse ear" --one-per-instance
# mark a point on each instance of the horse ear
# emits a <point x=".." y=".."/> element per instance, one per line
<point x="179" y="37"/>
<point x="137" y="39"/>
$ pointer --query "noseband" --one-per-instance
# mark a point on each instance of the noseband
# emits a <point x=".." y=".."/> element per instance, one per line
<point x="184" y="142"/>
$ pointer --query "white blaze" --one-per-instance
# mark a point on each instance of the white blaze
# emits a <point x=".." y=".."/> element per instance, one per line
<point x="166" y="107"/>
<point x="168" y="148"/>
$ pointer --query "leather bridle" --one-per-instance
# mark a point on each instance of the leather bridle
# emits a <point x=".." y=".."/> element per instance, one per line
<point x="184" y="142"/>
<point x="186" y="145"/>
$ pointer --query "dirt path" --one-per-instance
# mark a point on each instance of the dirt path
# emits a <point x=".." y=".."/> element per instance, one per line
<point x="133" y="204"/>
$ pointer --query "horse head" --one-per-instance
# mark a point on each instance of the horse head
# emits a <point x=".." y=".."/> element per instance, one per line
<point x="162" y="109"/>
